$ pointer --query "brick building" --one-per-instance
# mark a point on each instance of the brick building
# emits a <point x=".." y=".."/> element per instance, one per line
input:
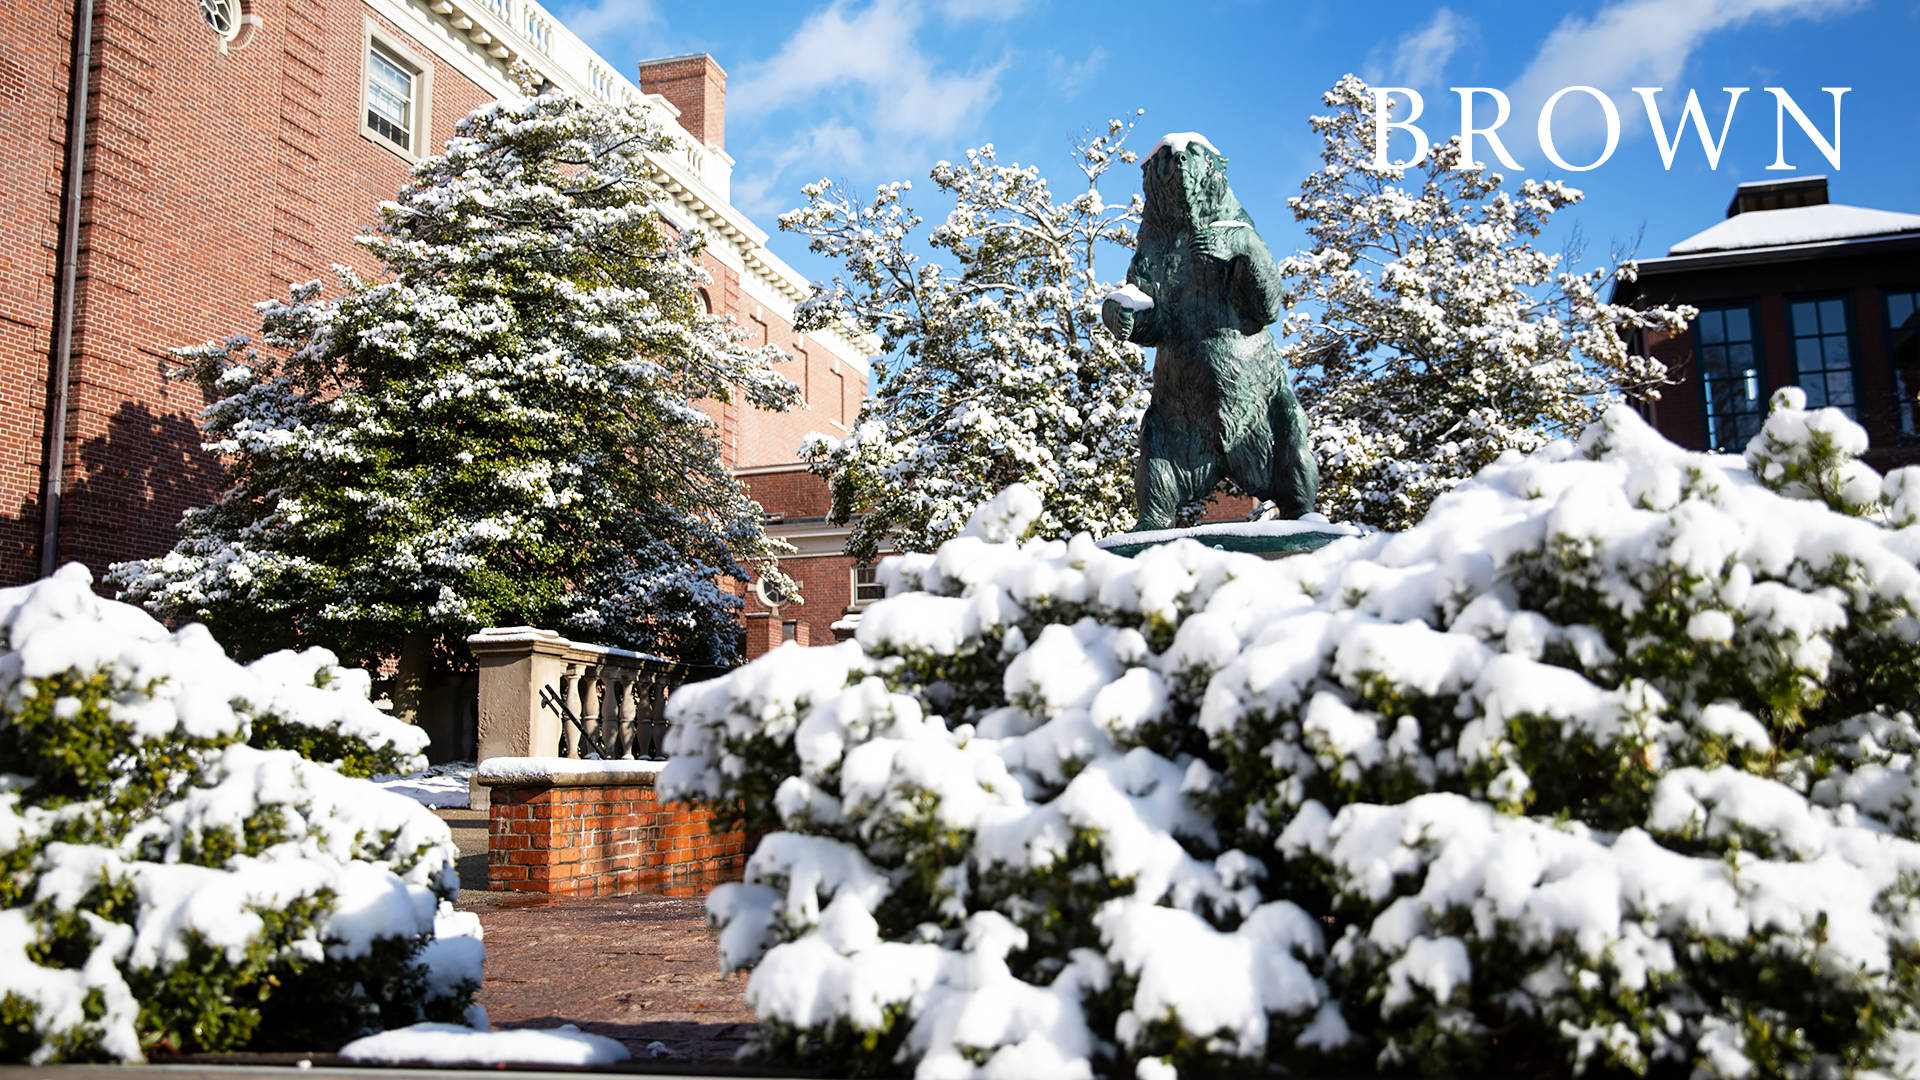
<point x="233" y="147"/>
<point x="1793" y="290"/>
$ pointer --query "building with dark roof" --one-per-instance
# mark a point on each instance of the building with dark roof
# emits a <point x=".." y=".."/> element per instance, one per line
<point x="1793" y="290"/>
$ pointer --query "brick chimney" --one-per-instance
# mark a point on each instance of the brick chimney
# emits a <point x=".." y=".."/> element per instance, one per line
<point x="697" y="87"/>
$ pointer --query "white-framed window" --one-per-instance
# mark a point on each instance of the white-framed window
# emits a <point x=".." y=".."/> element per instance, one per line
<point x="223" y="17"/>
<point x="232" y="24"/>
<point x="396" y="94"/>
<point x="866" y="586"/>
<point x="770" y="594"/>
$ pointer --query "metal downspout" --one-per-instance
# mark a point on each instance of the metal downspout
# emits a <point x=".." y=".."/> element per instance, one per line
<point x="59" y="367"/>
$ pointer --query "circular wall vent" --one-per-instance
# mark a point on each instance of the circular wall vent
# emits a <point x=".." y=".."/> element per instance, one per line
<point x="769" y="593"/>
<point x="223" y="17"/>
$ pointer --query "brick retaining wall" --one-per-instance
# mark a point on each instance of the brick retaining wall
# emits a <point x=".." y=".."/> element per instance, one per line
<point x="600" y="834"/>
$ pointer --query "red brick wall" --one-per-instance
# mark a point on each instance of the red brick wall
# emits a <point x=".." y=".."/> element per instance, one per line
<point x="1225" y="507"/>
<point x="213" y="182"/>
<point x="795" y="492"/>
<point x="831" y="391"/>
<point x="602" y="840"/>
<point x="826" y="588"/>
<point x="34" y="53"/>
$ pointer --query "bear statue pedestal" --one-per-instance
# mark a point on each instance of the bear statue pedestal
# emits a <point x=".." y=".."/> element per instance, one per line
<point x="1267" y="539"/>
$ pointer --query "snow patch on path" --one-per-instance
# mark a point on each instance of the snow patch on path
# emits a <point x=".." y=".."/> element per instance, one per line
<point x="438" y="787"/>
<point x="454" y="1044"/>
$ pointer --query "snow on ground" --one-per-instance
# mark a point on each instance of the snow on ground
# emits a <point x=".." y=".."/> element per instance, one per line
<point x="452" y="1044"/>
<point x="438" y="787"/>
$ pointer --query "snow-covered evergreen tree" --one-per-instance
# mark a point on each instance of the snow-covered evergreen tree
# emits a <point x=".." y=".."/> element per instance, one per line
<point x="1428" y="335"/>
<point x="999" y="372"/>
<point x="504" y="431"/>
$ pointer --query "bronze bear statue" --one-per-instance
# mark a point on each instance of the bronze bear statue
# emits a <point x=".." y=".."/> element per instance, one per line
<point x="1202" y="290"/>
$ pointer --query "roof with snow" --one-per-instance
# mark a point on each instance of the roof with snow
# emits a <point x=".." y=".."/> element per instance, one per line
<point x="1797" y="225"/>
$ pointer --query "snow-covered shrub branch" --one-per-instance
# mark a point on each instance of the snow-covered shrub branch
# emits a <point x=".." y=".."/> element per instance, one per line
<point x="1607" y="765"/>
<point x="1428" y="335"/>
<point x="503" y="431"/>
<point x="999" y="372"/>
<point x="164" y="885"/>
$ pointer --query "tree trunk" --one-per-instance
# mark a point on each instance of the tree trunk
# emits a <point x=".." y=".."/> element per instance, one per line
<point x="409" y="678"/>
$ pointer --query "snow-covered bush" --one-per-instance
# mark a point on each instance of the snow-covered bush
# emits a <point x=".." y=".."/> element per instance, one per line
<point x="166" y="885"/>
<point x="1607" y="765"/>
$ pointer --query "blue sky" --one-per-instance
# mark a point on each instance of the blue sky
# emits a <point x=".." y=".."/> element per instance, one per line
<point x="867" y="91"/>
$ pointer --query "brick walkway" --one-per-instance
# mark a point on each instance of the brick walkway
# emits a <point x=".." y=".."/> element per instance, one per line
<point x="636" y="968"/>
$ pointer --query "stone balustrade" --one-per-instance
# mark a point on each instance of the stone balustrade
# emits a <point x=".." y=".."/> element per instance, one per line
<point x="542" y="695"/>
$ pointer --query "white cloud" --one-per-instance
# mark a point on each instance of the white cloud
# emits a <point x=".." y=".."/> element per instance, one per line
<point x="1420" y="57"/>
<point x="992" y="10"/>
<point x="603" y="19"/>
<point x="831" y="149"/>
<point x="874" y="50"/>
<point x="1636" y="43"/>
<point x="863" y="90"/>
<point x="1069" y="77"/>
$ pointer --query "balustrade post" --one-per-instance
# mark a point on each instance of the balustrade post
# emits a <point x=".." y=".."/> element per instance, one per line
<point x="627" y="687"/>
<point x="645" y="745"/>
<point x="516" y="663"/>
<point x="590" y="681"/>
<point x="657" y="710"/>
<point x="570" y="735"/>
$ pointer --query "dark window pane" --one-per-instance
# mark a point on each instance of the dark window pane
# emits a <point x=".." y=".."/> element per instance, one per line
<point x="1836" y="352"/>
<point x="1833" y="316"/>
<point x="386" y="129"/>
<point x="1816" y="393"/>
<point x="1840" y="388"/>
<point x="1806" y="354"/>
<point x="1806" y="318"/>
<point x="1900" y="308"/>
<point x="1731" y="384"/>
